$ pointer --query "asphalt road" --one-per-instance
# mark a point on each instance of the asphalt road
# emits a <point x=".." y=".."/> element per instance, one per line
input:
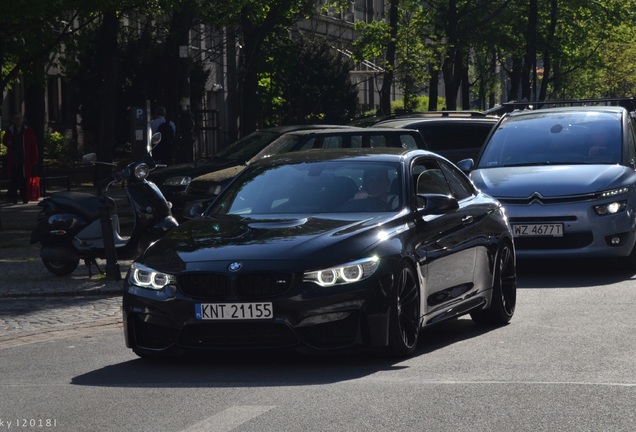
<point x="565" y="363"/>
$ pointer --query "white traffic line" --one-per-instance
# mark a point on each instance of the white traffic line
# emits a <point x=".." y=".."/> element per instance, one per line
<point x="228" y="419"/>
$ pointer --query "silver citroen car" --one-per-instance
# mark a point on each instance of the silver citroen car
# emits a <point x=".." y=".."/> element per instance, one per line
<point x="566" y="177"/>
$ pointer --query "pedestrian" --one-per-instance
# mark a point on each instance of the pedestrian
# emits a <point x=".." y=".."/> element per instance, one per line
<point x="22" y="157"/>
<point x="162" y="152"/>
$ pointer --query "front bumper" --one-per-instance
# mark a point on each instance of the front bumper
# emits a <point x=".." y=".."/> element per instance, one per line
<point x="306" y="318"/>
<point x="585" y="233"/>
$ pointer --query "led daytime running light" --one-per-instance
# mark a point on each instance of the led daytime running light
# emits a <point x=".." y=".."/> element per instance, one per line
<point x="347" y="273"/>
<point x="614" y="192"/>
<point x="146" y="277"/>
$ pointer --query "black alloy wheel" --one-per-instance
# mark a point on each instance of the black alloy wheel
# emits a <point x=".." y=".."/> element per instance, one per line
<point x="504" y="290"/>
<point x="404" y="322"/>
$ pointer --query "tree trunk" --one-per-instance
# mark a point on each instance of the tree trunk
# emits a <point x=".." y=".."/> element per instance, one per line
<point x="547" y="54"/>
<point x="528" y="74"/>
<point x="232" y="99"/>
<point x="465" y="89"/>
<point x="389" y="74"/>
<point x="185" y="124"/>
<point x="433" y="92"/>
<point x="107" y="49"/>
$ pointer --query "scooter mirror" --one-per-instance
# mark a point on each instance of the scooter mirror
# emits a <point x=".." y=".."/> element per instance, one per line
<point x="89" y="158"/>
<point x="156" y="137"/>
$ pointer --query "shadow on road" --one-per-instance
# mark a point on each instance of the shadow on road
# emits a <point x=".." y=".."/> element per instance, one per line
<point x="269" y="368"/>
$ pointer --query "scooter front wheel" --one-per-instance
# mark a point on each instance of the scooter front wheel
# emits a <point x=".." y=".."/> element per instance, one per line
<point x="60" y="268"/>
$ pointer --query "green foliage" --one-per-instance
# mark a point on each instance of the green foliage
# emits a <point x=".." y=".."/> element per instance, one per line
<point x="308" y="82"/>
<point x="59" y="147"/>
<point x="420" y="104"/>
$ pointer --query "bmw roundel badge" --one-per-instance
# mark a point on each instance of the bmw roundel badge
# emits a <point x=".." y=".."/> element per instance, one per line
<point x="235" y="266"/>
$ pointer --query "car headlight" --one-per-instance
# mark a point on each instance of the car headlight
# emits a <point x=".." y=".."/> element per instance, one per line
<point x="177" y="181"/>
<point x="610" y="208"/>
<point x="145" y="277"/>
<point x="344" y="274"/>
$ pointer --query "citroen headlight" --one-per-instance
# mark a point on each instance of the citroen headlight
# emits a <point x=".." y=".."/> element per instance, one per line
<point x="177" y="181"/>
<point x="145" y="277"/>
<point x="347" y="273"/>
<point x="610" y="208"/>
<point x="142" y="171"/>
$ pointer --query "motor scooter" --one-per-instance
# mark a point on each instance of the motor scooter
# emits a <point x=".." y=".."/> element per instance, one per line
<point x="74" y="226"/>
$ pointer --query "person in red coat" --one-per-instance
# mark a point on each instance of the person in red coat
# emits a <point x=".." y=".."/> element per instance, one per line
<point x="22" y="156"/>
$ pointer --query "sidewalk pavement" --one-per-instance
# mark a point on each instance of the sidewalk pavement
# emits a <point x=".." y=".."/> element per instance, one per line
<point x="22" y="273"/>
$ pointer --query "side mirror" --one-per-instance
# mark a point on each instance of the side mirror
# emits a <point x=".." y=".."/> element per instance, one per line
<point x="155" y="139"/>
<point x="90" y="158"/>
<point x="436" y="204"/>
<point x="466" y="165"/>
<point x="195" y="209"/>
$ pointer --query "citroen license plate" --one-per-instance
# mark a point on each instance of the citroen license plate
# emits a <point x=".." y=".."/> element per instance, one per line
<point x="538" y="230"/>
<point x="234" y="311"/>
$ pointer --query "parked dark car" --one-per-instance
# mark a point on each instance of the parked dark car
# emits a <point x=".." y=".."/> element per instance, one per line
<point x="290" y="257"/>
<point x="567" y="179"/>
<point x="173" y="180"/>
<point x="205" y="187"/>
<point x="456" y="135"/>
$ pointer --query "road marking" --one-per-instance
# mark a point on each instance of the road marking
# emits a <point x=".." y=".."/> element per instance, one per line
<point x="228" y="419"/>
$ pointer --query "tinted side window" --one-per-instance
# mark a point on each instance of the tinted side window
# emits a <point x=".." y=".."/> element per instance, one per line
<point x="461" y="187"/>
<point x="428" y="178"/>
<point x="332" y="142"/>
<point x="408" y="142"/>
<point x="377" y="141"/>
<point x="455" y="136"/>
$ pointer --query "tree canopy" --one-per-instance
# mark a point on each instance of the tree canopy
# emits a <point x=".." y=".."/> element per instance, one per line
<point x="116" y="53"/>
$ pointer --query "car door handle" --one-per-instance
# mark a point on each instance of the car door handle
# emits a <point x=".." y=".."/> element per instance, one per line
<point x="466" y="220"/>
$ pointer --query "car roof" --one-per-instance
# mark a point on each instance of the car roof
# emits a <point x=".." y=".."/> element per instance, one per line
<point x="569" y="109"/>
<point x="414" y="121"/>
<point x="627" y="102"/>
<point x="351" y="130"/>
<point x="385" y="154"/>
<point x="295" y="128"/>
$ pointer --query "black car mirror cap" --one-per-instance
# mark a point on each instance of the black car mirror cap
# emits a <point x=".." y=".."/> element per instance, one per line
<point x="195" y="209"/>
<point x="466" y="165"/>
<point x="437" y="204"/>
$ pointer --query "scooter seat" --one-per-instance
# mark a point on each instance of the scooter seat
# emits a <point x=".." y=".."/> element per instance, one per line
<point x="86" y="204"/>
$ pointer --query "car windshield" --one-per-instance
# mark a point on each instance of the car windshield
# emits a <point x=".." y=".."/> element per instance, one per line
<point x="317" y="187"/>
<point x="555" y="138"/>
<point x="246" y="148"/>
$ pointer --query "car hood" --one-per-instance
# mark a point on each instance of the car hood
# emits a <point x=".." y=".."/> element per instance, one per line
<point x="220" y="175"/>
<point x="229" y="238"/>
<point x="548" y="180"/>
<point x="190" y="169"/>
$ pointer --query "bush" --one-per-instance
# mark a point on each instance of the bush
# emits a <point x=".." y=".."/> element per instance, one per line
<point x="57" y="146"/>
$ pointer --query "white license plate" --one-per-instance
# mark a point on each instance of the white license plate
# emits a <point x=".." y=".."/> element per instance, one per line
<point x="233" y="311"/>
<point x="538" y="230"/>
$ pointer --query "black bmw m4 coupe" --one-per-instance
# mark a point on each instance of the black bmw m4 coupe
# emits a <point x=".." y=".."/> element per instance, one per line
<point x="324" y="251"/>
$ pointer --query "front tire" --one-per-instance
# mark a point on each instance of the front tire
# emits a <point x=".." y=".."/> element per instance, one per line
<point x="404" y="320"/>
<point x="504" y="290"/>
<point x="60" y="268"/>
